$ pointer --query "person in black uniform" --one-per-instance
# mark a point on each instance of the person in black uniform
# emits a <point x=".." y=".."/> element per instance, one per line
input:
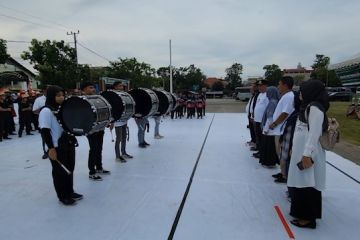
<point x="61" y="147"/>
<point x="95" y="142"/>
<point x="25" y="114"/>
<point x="5" y="113"/>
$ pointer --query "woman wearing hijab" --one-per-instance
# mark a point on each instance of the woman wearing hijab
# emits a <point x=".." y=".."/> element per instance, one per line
<point x="61" y="146"/>
<point x="307" y="165"/>
<point x="268" y="155"/>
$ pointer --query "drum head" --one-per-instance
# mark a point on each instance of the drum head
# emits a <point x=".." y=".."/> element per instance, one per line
<point x="77" y="116"/>
<point x="116" y="103"/>
<point x="146" y="101"/>
<point x="165" y="101"/>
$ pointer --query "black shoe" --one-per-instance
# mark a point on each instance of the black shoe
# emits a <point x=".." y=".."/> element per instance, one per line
<point x="29" y="134"/>
<point x="146" y="144"/>
<point x="45" y="156"/>
<point x="311" y="224"/>
<point x="280" y="180"/>
<point x="20" y="135"/>
<point x="103" y="171"/>
<point x="121" y="159"/>
<point x="95" y="177"/>
<point x="6" y="138"/>
<point x="253" y="149"/>
<point x="67" y="201"/>
<point x="277" y="175"/>
<point x="76" y="196"/>
<point x="256" y="155"/>
<point x="127" y="155"/>
<point x="142" y="145"/>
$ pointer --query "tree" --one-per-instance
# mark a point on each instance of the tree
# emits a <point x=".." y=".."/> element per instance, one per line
<point x="3" y="51"/>
<point x="55" y="62"/>
<point x="233" y="76"/>
<point x="298" y="79"/>
<point x="188" y="78"/>
<point x="140" y="74"/>
<point x="218" y="86"/>
<point x="273" y="74"/>
<point x="320" y="66"/>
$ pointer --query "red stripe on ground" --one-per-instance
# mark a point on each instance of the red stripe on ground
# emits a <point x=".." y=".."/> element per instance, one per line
<point x="284" y="223"/>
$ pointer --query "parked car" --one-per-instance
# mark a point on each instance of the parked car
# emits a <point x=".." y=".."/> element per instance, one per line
<point x="340" y="96"/>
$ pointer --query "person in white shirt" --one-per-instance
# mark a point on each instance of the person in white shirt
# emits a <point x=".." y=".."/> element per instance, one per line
<point x="307" y="171"/>
<point x="283" y="110"/>
<point x="261" y="104"/>
<point x="36" y="108"/>
<point x="61" y="147"/>
<point x="250" y="111"/>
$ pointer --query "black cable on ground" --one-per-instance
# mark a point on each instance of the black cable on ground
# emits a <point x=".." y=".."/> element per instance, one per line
<point x="178" y="215"/>
<point x="352" y="178"/>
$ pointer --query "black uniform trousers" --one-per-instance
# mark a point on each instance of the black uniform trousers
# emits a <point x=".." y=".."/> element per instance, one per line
<point x="25" y="122"/>
<point x="95" y="152"/>
<point x="63" y="182"/>
<point x="258" y="134"/>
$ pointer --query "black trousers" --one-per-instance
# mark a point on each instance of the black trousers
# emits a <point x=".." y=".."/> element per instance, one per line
<point x="25" y="122"/>
<point x="63" y="182"/>
<point x="199" y="112"/>
<point x="95" y="152"/>
<point x="306" y="203"/>
<point x="252" y="130"/>
<point x="2" y="126"/>
<point x="268" y="156"/>
<point x="258" y="134"/>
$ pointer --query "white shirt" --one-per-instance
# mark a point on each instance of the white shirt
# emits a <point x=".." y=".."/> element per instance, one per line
<point x="285" y="105"/>
<point x="39" y="103"/>
<point x="261" y="104"/>
<point x="48" y="120"/>
<point x="306" y="143"/>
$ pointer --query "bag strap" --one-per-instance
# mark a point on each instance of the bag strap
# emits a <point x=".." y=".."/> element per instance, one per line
<point x="320" y="107"/>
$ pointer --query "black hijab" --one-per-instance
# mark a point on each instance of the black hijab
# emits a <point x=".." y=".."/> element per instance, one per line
<point x="51" y="93"/>
<point x="313" y="91"/>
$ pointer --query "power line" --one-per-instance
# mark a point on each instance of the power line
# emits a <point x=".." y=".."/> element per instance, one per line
<point x="27" y="21"/>
<point x="97" y="54"/>
<point x="33" y="16"/>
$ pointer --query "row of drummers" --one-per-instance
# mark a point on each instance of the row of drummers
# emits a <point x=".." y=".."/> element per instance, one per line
<point x="84" y="115"/>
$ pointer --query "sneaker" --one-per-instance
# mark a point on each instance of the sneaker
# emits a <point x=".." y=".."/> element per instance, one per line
<point x="67" y="201"/>
<point x="45" y="156"/>
<point x="76" y="196"/>
<point x="277" y="175"/>
<point x="95" y="177"/>
<point x="121" y="159"/>
<point x="280" y="180"/>
<point x="103" y="171"/>
<point x="127" y="156"/>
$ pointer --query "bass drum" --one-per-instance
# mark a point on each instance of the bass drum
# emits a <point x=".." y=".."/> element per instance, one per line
<point x="175" y="102"/>
<point x="123" y="105"/>
<point x="146" y="102"/>
<point x="165" y="102"/>
<point x="84" y="115"/>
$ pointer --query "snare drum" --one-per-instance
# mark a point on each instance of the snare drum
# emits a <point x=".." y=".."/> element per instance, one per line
<point x="123" y="105"/>
<point x="147" y="103"/>
<point x="84" y="115"/>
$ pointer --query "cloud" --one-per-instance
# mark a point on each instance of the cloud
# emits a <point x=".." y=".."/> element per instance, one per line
<point x="211" y="34"/>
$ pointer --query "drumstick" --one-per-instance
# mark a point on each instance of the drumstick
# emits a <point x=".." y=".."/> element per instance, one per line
<point x="112" y="137"/>
<point x="66" y="170"/>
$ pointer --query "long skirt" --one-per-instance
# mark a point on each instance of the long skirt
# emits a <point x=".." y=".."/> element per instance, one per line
<point x="268" y="155"/>
<point x="305" y="203"/>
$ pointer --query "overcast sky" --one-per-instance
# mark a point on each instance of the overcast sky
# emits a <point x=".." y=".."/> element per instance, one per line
<point x="212" y="34"/>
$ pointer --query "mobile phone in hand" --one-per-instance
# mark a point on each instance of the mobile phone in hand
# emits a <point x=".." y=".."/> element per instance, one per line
<point x="301" y="166"/>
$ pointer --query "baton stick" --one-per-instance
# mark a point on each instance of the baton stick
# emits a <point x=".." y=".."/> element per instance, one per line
<point x="66" y="170"/>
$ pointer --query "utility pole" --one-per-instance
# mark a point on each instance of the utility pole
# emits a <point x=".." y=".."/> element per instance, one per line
<point x="75" y="33"/>
<point x="171" y="80"/>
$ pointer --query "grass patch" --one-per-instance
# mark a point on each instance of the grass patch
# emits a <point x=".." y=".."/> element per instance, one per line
<point x="350" y="128"/>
